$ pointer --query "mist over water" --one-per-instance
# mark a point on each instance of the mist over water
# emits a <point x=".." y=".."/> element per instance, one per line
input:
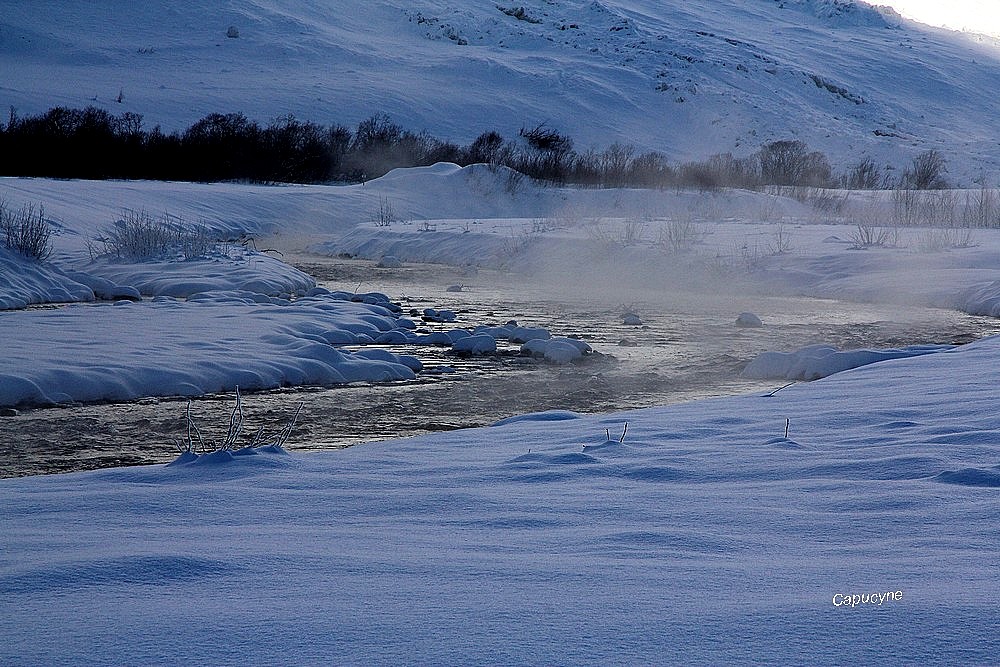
<point x="686" y="348"/>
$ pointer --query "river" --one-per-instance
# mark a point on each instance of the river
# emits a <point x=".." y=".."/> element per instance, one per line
<point x="687" y="348"/>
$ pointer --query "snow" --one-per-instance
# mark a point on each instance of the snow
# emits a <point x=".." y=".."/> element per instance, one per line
<point x="748" y="320"/>
<point x="25" y="282"/>
<point x="714" y="532"/>
<point x="558" y="350"/>
<point x="475" y="344"/>
<point x="166" y="347"/>
<point x="707" y="534"/>
<point x="818" y="361"/>
<point x="690" y="79"/>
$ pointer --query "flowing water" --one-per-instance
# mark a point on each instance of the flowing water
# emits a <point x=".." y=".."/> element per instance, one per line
<point x="687" y="348"/>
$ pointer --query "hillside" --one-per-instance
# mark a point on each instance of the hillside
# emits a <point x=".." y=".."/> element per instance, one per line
<point x="690" y="79"/>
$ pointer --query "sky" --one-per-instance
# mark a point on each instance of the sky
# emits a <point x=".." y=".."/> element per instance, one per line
<point x="975" y="15"/>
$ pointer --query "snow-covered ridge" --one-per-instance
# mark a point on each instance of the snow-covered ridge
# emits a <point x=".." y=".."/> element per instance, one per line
<point x="690" y="79"/>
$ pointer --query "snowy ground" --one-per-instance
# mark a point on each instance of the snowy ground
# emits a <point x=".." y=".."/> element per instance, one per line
<point x="706" y="537"/>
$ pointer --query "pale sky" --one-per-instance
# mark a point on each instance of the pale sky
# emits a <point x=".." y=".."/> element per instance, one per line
<point x="975" y="15"/>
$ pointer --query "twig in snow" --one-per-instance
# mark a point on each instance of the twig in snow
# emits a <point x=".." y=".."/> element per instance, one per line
<point x="193" y="428"/>
<point x="235" y="423"/>
<point x="779" y="389"/>
<point x="286" y="431"/>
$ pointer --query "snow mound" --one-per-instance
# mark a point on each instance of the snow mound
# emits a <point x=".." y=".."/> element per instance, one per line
<point x="971" y="477"/>
<point x="559" y="350"/>
<point x="213" y="342"/>
<point x="819" y="361"/>
<point x="23" y="282"/>
<point x="254" y="273"/>
<point x="981" y="300"/>
<point x="748" y="321"/>
<point x="475" y="345"/>
<point x="245" y="460"/>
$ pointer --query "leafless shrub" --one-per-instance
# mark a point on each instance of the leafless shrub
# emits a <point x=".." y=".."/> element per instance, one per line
<point x="781" y="242"/>
<point x="632" y="231"/>
<point x="195" y="441"/>
<point x="871" y="235"/>
<point x="938" y="239"/>
<point x="980" y="208"/>
<point x="137" y="236"/>
<point x="678" y="235"/>
<point x="822" y="200"/>
<point x="939" y="208"/>
<point x="26" y="232"/>
<point x="768" y="209"/>
<point x="384" y="216"/>
<point x="905" y="207"/>
<point x="745" y="257"/>
<point x="926" y="172"/>
<point x="791" y="163"/>
<point x="517" y="241"/>
<point x="513" y="181"/>
<point x="865" y="175"/>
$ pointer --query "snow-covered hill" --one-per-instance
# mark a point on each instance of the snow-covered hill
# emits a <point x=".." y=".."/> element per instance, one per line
<point x="688" y="78"/>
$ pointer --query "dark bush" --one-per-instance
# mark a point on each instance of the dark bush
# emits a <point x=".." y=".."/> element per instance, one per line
<point x="791" y="163"/>
<point x="865" y="175"/>
<point x="549" y="154"/>
<point x="926" y="172"/>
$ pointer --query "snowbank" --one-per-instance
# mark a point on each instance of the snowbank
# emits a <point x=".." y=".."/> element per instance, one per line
<point x="717" y="537"/>
<point x="819" y="361"/>
<point x="24" y="282"/>
<point x="212" y="342"/>
<point x="240" y="270"/>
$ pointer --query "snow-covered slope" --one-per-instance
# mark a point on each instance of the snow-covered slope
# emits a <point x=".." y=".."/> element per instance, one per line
<point x="688" y="78"/>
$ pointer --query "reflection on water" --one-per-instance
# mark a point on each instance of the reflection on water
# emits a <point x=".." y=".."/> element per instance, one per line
<point x="686" y="348"/>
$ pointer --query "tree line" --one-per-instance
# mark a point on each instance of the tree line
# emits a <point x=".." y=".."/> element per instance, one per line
<point x="93" y="143"/>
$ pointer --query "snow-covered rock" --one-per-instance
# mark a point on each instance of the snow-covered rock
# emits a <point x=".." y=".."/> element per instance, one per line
<point x="559" y="350"/>
<point x="748" y="321"/>
<point x="475" y="345"/>
<point x="632" y="320"/>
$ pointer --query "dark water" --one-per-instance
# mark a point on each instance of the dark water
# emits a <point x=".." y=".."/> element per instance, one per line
<point x="687" y="348"/>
